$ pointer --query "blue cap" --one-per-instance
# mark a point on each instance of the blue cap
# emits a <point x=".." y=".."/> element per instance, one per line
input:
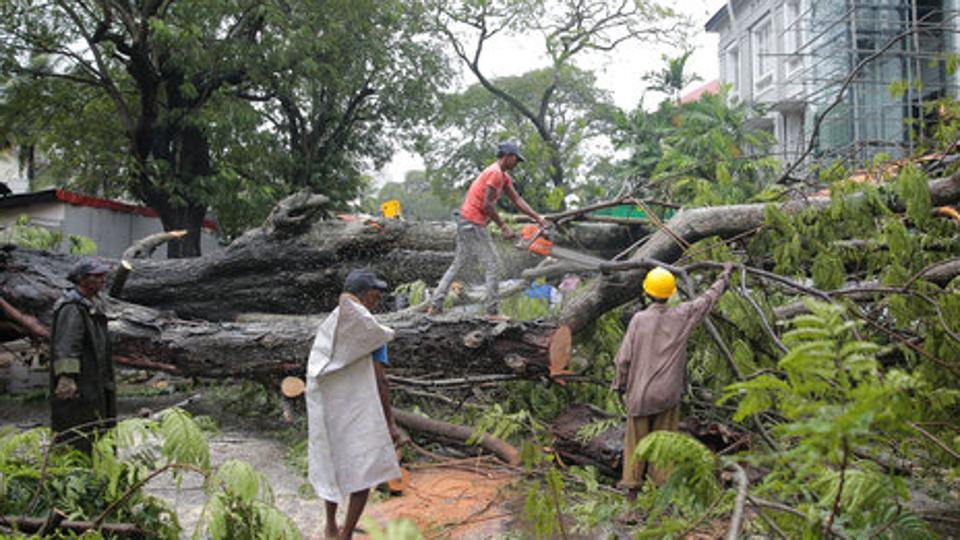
<point x="510" y="147"/>
<point x="85" y="267"/>
<point x="363" y="279"/>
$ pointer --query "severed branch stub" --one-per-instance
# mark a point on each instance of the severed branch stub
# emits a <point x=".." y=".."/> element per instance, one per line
<point x="141" y="249"/>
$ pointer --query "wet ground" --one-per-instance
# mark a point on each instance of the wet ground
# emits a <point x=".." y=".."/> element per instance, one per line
<point x="456" y="501"/>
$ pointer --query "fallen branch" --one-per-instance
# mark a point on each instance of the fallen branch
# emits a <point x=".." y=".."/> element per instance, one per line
<point x="141" y="249"/>
<point x="29" y="323"/>
<point x="940" y="444"/>
<point x="740" y="477"/>
<point x="456" y="434"/>
<point x="34" y="525"/>
<point x="460" y="381"/>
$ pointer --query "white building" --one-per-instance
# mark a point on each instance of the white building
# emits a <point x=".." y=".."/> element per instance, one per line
<point x="793" y="57"/>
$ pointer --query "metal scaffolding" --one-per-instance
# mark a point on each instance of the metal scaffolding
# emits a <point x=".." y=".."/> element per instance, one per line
<point x="901" y="44"/>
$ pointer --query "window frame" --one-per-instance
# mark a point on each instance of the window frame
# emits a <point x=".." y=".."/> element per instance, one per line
<point x="731" y="65"/>
<point x="793" y="35"/>
<point x="762" y="80"/>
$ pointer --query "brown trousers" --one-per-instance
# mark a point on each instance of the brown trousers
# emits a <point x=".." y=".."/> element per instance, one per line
<point x="637" y="428"/>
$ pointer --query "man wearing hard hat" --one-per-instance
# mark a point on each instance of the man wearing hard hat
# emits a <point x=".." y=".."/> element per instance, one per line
<point x="652" y="365"/>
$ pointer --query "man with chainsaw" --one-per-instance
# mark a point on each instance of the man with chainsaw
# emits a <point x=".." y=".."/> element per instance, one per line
<point x="473" y="239"/>
<point x="651" y="366"/>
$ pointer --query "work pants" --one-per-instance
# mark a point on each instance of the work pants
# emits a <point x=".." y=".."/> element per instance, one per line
<point x="637" y="428"/>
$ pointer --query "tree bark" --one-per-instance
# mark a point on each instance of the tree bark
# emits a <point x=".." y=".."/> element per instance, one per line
<point x="609" y="291"/>
<point x="31" y="282"/>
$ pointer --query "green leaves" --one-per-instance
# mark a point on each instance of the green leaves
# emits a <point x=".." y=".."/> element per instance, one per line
<point x="183" y="440"/>
<point x="240" y="505"/>
<point x="698" y="153"/>
<point x="693" y="468"/>
<point x="912" y="187"/>
<point x="834" y="395"/>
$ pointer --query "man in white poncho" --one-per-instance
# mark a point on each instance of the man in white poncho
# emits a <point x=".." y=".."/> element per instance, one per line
<point x="350" y="448"/>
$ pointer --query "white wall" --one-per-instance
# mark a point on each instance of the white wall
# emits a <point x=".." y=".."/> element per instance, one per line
<point x="115" y="231"/>
<point x="112" y="231"/>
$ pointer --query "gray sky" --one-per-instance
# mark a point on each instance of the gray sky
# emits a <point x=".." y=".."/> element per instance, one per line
<point x="619" y="72"/>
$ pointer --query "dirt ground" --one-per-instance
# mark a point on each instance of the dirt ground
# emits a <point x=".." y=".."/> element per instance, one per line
<point x="458" y="501"/>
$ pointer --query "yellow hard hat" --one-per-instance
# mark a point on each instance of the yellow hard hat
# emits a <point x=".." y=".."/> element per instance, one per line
<point x="660" y="283"/>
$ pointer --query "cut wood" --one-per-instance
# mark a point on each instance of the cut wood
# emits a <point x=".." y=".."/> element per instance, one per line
<point x="453" y="433"/>
<point x="292" y="387"/>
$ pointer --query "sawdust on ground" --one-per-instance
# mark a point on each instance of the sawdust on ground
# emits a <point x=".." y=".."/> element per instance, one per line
<point x="448" y="501"/>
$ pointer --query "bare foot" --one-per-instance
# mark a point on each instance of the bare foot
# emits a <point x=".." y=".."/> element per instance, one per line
<point x="496" y="317"/>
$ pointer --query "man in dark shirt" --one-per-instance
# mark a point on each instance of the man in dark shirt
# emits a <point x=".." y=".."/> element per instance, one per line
<point x="82" y="392"/>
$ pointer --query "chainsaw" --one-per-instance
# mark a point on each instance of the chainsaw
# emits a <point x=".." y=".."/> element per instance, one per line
<point x="537" y="239"/>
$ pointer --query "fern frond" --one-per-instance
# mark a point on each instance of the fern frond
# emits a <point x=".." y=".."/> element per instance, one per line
<point x="183" y="440"/>
<point x="694" y="466"/>
<point x="272" y="524"/>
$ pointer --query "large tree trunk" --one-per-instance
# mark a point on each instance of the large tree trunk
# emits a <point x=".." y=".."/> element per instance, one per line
<point x="31" y="282"/>
<point x="610" y="291"/>
<point x="296" y="262"/>
<point x="271" y="349"/>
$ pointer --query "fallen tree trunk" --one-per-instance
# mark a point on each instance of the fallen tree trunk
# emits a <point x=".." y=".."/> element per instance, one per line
<point x="295" y="263"/>
<point x="605" y="450"/>
<point x="151" y="339"/>
<point x="268" y="350"/>
<point x="688" y="226"/>
<point x="453" y="433"/>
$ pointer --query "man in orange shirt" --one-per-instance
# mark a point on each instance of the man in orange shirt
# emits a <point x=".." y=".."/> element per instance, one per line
<point x="473" y="239"/>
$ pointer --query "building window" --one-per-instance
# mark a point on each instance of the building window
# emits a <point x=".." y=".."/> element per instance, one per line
<point x="763" y="60"/>
<point x="793" y="34"/>
<point x="731" y="72"/>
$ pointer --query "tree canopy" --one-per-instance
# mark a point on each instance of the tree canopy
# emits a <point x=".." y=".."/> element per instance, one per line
<point x="232" y="103"/>
<point x="464" y="135"/>
<point x="570" y="31"/>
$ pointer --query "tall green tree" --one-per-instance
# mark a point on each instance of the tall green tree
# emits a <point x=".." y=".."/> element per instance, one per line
<point x="464" y="135"/>
<point x="569" y="30"/>
<point x="227" y="102"/>
<point x="156" y="64"/>
<point x="672" y="78"/>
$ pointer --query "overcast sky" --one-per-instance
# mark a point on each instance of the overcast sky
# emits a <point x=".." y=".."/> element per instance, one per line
<point x="619" y="72"/>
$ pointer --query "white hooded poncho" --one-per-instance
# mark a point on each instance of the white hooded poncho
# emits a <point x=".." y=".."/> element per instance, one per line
<point x="349" y="444"/>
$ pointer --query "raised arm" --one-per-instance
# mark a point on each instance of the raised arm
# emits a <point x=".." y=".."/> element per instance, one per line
<point x="701" y="306"/>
